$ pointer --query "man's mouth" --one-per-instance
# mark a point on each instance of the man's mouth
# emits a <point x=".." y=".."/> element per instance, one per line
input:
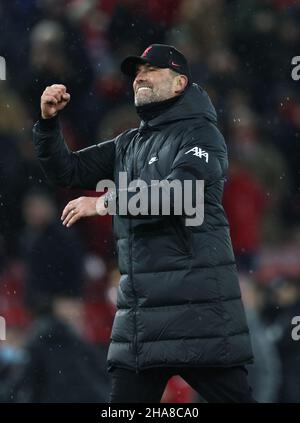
<point x="143" y="88"/>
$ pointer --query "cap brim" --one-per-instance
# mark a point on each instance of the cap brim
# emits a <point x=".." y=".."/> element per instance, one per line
<point x="128" y="66"/>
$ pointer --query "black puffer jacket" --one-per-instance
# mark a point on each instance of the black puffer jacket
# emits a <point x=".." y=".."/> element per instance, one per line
<point x="179" y="299"/>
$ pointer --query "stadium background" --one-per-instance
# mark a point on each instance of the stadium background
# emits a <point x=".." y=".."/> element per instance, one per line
<point x="240" y="52"/>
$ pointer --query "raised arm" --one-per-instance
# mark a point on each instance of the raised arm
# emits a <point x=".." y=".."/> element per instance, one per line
<point x="80" y="169"/>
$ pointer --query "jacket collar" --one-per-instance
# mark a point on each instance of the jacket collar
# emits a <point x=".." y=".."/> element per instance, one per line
<point x="193" y="104"/>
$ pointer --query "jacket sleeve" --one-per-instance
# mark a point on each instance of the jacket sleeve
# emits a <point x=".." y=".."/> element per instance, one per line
<point x="201" y="157"/>
<point x="81" y="169"/>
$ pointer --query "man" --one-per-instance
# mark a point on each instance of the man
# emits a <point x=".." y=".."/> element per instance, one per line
<point x="179" y="309"/>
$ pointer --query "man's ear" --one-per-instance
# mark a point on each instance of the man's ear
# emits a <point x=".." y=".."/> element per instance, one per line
<point x="181" y="83"/>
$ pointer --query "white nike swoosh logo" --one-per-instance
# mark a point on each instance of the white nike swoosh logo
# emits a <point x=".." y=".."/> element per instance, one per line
<point x="152" y="160"/>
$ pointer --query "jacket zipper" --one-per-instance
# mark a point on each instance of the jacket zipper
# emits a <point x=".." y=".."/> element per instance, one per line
<point x="184" y="243"/>
<point x="136" y="155"/>
<point x="135" y="348"/>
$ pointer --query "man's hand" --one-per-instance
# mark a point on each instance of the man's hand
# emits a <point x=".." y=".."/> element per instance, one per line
<point x="83" y="207"/>
<point x="54" y="99"/>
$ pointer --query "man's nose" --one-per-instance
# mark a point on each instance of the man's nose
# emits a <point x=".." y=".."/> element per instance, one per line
<point x="140" y="75"/>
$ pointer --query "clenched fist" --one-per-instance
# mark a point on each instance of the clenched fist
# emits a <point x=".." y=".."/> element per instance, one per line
<point x="54" y="99"/>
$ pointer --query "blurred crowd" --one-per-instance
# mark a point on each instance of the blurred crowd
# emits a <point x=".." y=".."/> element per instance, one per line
<point x="58" y="285"/>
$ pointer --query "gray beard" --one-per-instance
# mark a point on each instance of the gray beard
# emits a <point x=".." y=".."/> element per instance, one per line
<point x="145" y="100"/>
<point x="153" y="98"/>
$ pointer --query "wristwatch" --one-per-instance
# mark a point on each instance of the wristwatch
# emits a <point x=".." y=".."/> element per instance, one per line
<point x="109" y="196"/>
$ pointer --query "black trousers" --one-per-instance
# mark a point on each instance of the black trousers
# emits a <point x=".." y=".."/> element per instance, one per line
<point x="212" y="384"/>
